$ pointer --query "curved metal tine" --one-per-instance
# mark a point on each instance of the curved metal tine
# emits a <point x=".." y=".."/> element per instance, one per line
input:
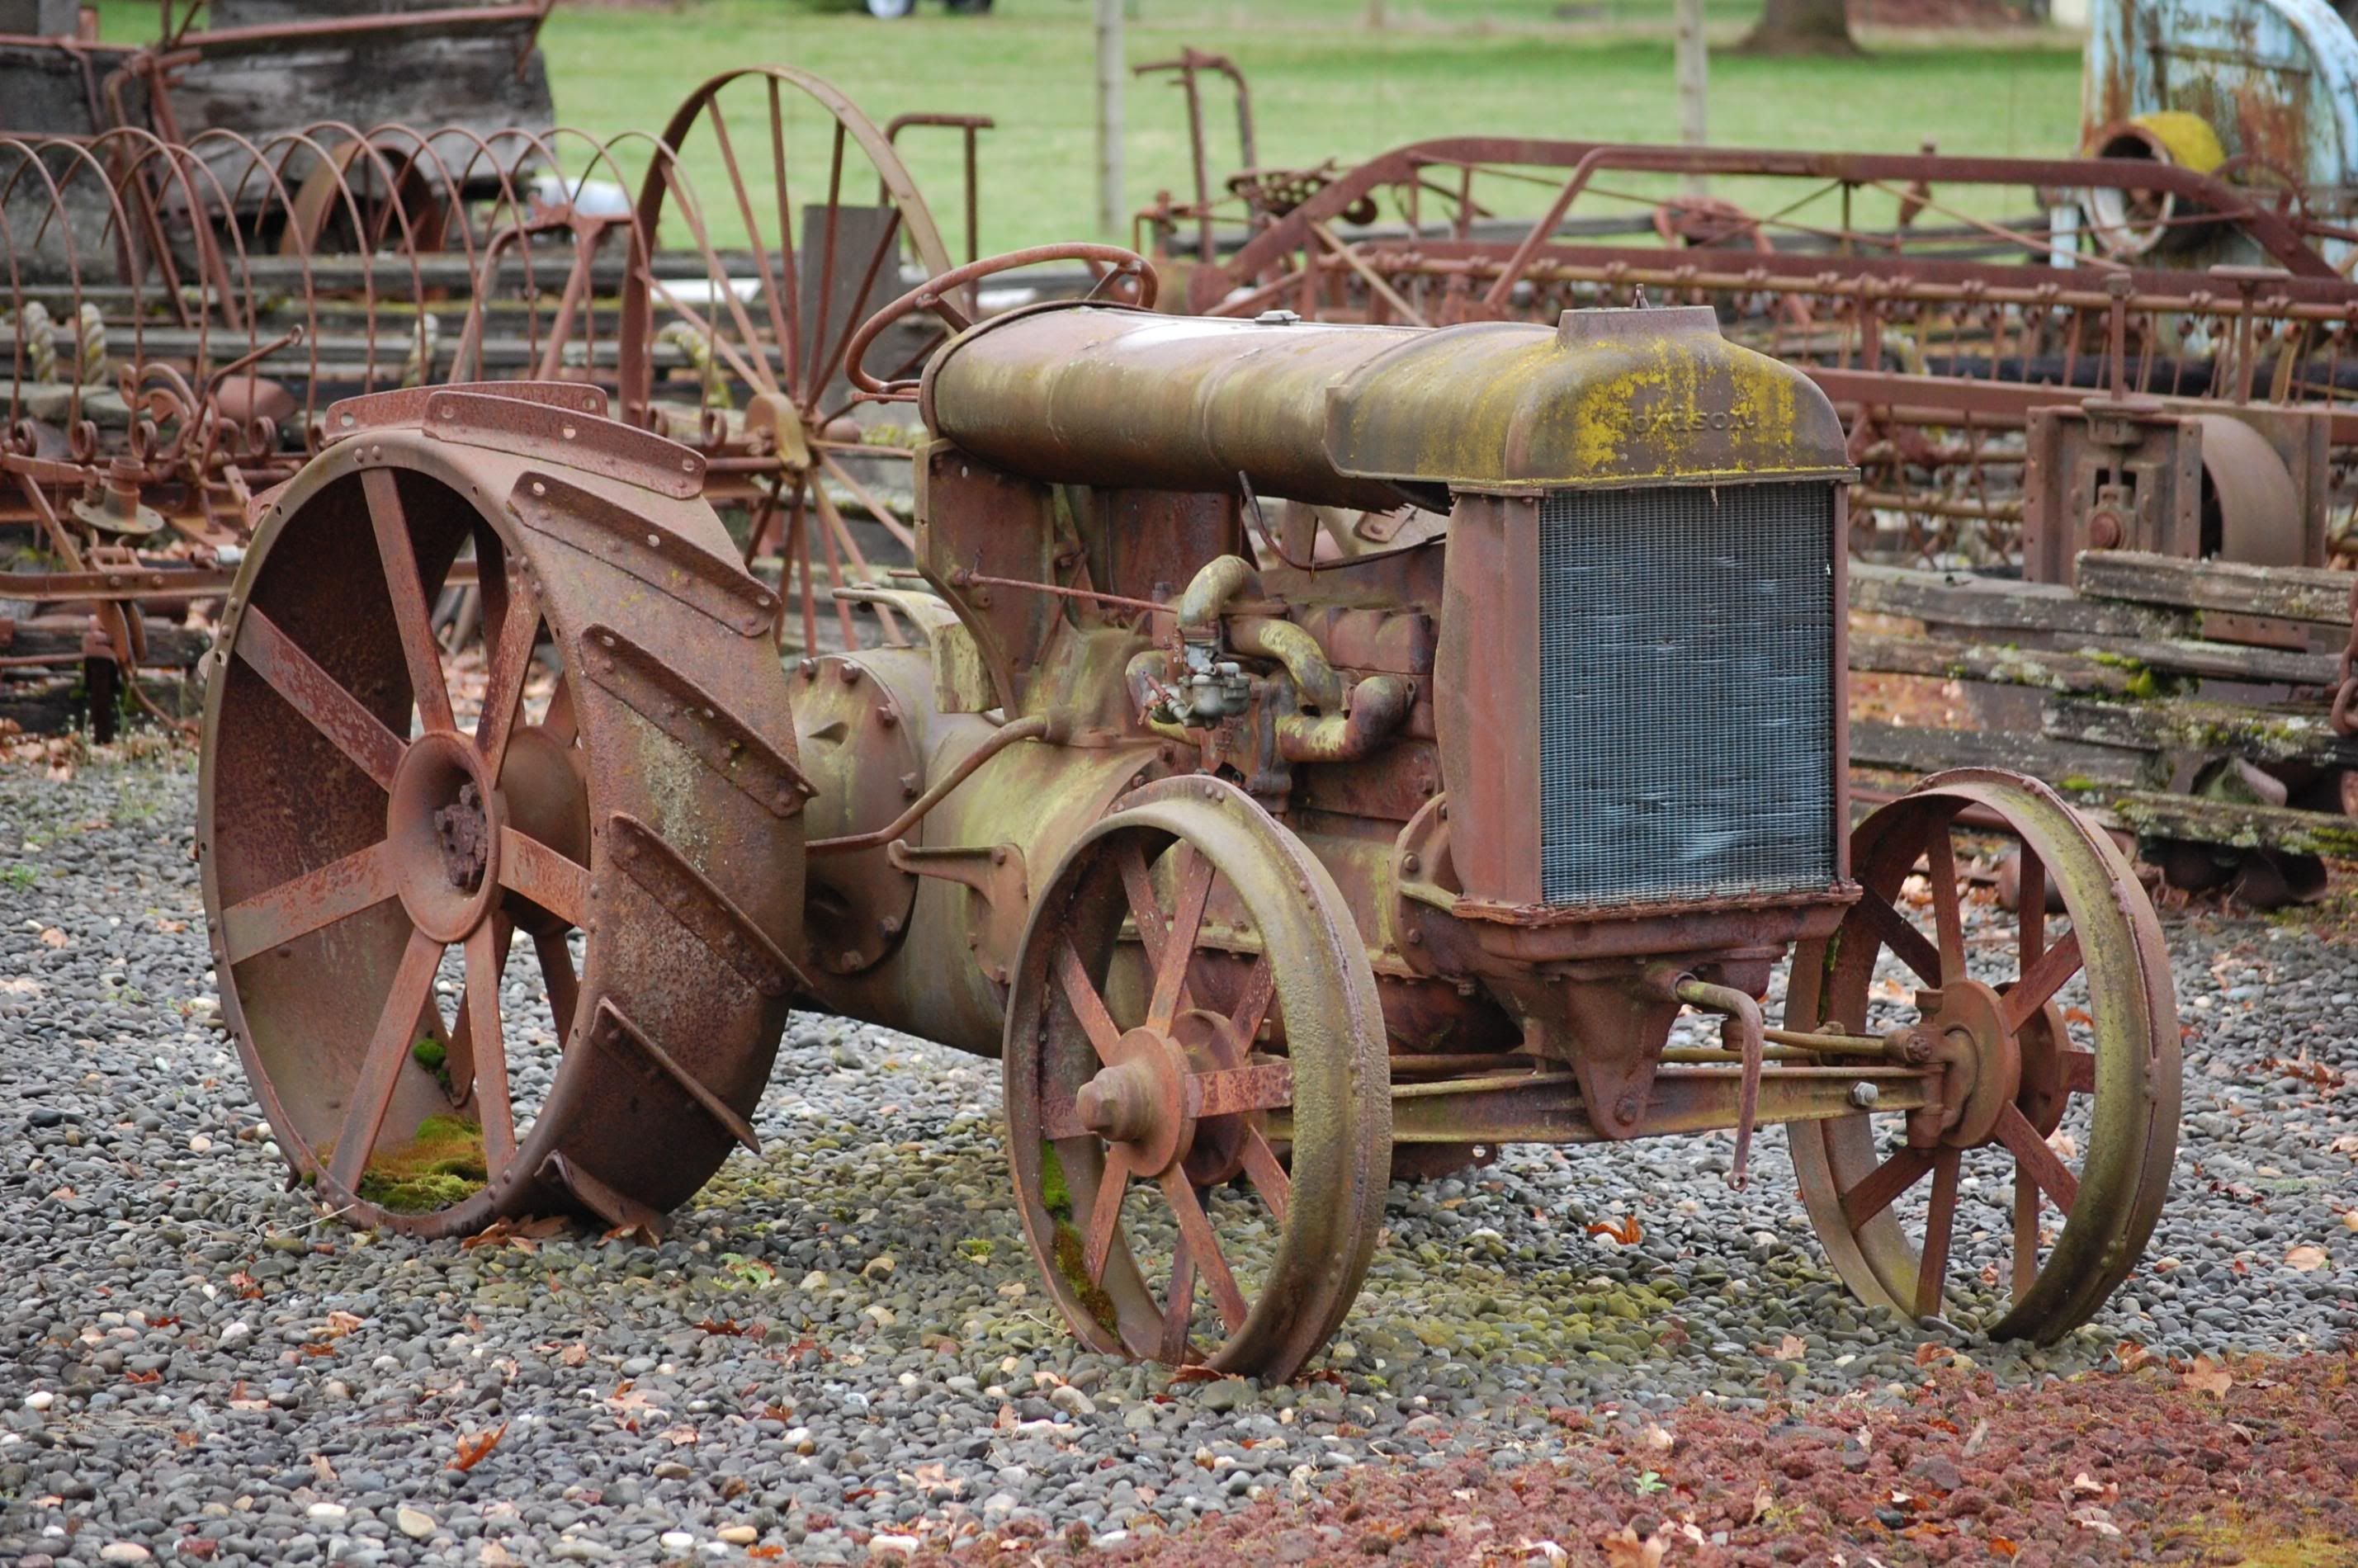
<point x="554" y="881"/>
<point x="557" y="978"/>
<point x="755" y="375"/>
<point x="310" y="901"/>
<point x="1204" y="1247"/>
<point x="406" y="1000"/>
<point x="487" y="952"/>
<point x="1939" y="1225"/>
<point x="410" y="611"/>
<point x="319" y="697"/>
<point x="1089" y="1007"/>
<point x="1194" y="875"/>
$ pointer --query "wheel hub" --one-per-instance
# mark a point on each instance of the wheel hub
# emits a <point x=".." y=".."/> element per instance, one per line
<point x="1138" y="1102"/>
<point x="443" y="823"/>
<point x="1966" y="1023"/>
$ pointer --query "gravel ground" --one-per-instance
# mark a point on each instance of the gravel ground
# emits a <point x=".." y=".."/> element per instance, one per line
<point x="841" y="1343"/>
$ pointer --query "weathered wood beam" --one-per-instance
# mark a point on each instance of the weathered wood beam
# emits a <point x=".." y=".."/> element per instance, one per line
<point x="2286" y="593"/>
<point x="2184" y="724"/>
<point x="2068" y="763"/>
<point x="1999" y="604"/>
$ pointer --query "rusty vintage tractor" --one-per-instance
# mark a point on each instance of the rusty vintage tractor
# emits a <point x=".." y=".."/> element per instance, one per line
<point x="1268" y="853"/>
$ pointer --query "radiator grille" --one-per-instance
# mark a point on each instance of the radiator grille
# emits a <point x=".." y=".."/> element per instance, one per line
<point x="1687" y="694"/>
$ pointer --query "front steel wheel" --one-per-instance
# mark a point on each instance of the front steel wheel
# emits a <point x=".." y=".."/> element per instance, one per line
<point x="2061" y="1048"/>
<point x="1192" y="995"/>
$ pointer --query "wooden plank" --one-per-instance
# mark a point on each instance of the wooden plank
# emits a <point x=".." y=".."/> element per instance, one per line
<point x="1960" y="599"/>
<point x="2069" y="764"/>
<point x="1943" y="658"/>
<point x="2287" y="593"/>
<point x="2186" y="724"/>
<point x="2153" y="815"/>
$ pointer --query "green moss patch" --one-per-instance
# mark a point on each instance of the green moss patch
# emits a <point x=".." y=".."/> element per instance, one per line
<point x="441" y="1165"/>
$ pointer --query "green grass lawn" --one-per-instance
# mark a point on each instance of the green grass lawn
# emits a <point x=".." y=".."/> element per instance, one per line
<point x="1325" y="85"/>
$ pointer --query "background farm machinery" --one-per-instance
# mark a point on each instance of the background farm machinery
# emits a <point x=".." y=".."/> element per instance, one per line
<point x="2146" y="350"/>
<point x="179" y="317"/>
<point x="1251" y="868"/>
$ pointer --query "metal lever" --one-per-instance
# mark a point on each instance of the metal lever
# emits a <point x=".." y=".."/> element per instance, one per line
<point x="1742" y="1030"/>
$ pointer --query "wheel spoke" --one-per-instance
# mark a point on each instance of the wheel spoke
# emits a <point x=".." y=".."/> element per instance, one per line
<point x="532" y="869"/>
<point x="1181" y="1305"/>
<point x="487" y="951"/>
<point x="1105" y="1215"/>
<point x="1145" y="909"/>
<point x="2040" y="981"/>
<point x="1269" y="1177"/>
<point x="770" y="290"/>
<point x="1906" y="942"/>
<point x="1232" y="1091"/>
<point x="300" y="906"/>
<point x="1087" y="1006"/>
<point x="2029" y="907"/>
<point x="2026" y="1234"/>
<point x="2078" y="1072"/>
<point x="1197" y="1228"/>
<point x="1876" y="1192"/>
<point x="559" y="720"/>
<point x="458" y="1066"/>
<point x="1179" y="943"/>
<point x="2037" y="1161"/>
<point x="1948" y="915"/>
<point x="1252" y="1002"/>
<point x="411" y="613"/>
<point x="556" y="956"/>
<point x="503" y="680"/>
<point x="315" y="693"/>
<point x="406" y="998"/>
<point x="1940" y="1223"/>
<point x="789" y="275"/>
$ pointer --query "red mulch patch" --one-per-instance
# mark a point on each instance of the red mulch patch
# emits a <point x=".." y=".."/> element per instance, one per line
<point x="2256" y="1462"/>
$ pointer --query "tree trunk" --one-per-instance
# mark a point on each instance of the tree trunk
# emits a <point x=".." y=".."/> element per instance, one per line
<point x="1802" y="26"/>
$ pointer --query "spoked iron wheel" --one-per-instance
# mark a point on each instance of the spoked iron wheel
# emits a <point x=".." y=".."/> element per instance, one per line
<point x="368" y="807"/>
<point x="804" y="216"/>
<point x="2060" y="1045"/>
<point x="1153" y="1074"/>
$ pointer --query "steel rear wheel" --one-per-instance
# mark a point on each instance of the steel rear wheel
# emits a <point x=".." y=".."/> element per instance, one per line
<point x="2069" y="1038"/>
<point x="376" y="815"/>
<point x="1191" y="998"/>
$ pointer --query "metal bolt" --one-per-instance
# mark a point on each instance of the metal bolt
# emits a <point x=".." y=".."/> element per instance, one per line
<point x="887" y="718"/>
<point x="1412" y="863"/>
<point x="1865" y="1095"/>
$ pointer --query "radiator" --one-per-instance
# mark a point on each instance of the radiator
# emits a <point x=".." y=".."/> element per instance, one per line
<point x="1687" y="692"/>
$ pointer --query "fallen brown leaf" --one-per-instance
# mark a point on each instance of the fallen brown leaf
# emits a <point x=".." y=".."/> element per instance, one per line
<point x="53" y="937"/>
<point x="2308" y="1259"/>
<point x="1625" y="1230"/>
<point x="1789" y="1348"/>
<point x="474" y="1447"/>
<point x="2208" y="1377"/>
<point x="1624" y="1549"/>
